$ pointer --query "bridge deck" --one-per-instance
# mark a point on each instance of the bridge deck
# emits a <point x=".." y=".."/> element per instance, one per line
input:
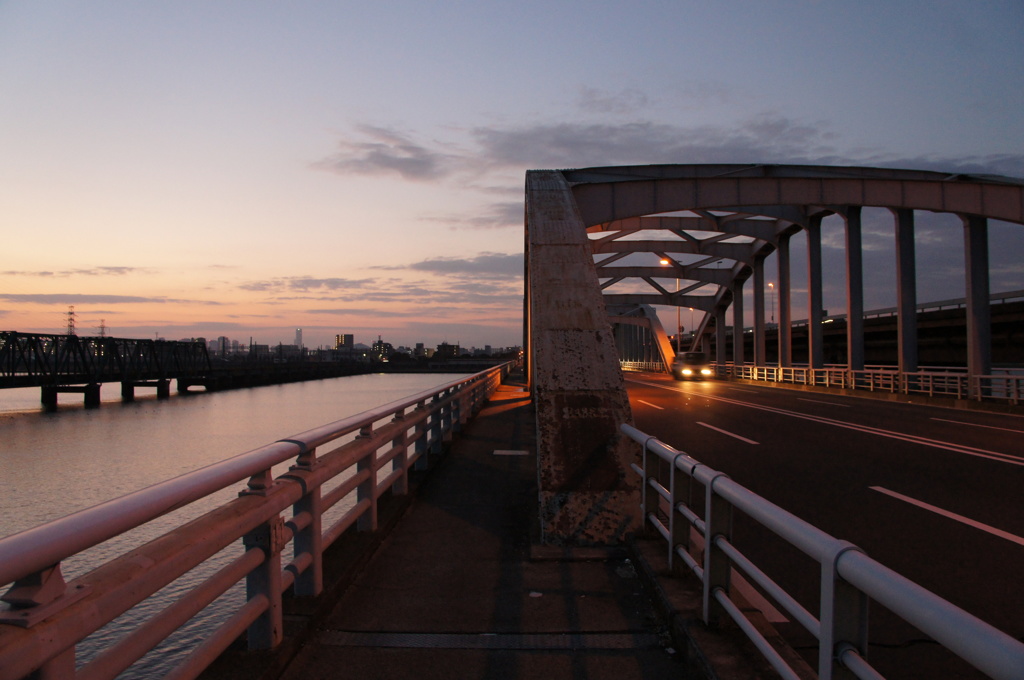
<point x="459" y="586"/>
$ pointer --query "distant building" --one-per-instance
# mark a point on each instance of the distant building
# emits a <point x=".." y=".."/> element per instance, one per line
<point x="446" y="351"/>
<point x="381" y="350"/>
<point x="298" y="338"/>
<point x="344" y="341"/>
<point x="419" y="351"/>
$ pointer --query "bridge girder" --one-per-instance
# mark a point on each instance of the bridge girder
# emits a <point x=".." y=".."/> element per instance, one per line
<point x="736" y="215"/>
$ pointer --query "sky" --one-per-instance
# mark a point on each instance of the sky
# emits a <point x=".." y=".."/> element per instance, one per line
<point x="208" y="168"/>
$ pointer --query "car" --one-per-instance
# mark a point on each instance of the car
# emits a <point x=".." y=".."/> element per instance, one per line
<point x="692" y="366"/>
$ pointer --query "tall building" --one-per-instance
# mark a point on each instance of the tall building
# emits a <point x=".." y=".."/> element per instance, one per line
<point x="344" y="341"/>
<point x="382" y="350"/>
<point x="298" y="338"/>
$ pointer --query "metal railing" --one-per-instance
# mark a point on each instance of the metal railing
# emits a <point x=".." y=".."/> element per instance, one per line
<point x="46" y="618"/>
<point x="1003" y="386"/>
<point x="848" y="576"/>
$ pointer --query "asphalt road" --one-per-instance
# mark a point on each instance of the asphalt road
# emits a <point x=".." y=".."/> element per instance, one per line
<point x="933" y="493"/>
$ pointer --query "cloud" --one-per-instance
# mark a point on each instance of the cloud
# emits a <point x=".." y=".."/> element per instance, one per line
<point x="494" y="216"/>
<point x="599" y="101"/>
<point x="381" y="151"/>
<point x="94" y="271"/>
<point x="86" y="298"/>
<point x="762" y="138"/>
<point x="305" y="283"/>
<point x="489" y="265"/>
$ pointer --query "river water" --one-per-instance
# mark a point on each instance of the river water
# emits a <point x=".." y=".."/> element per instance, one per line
<point x="53" y="464"/>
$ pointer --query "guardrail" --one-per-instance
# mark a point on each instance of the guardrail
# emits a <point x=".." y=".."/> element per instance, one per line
<point x="46" y="617"/>
<point x="848" y="576"/>
<point x="1007" y="387"/>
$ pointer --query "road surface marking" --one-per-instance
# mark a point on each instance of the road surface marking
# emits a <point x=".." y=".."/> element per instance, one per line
<point x="712" y="427"/>
<point x="990" y="427"/>
<point x="914" y="439"/>
<point x="952" y="515"/>
<point x="737" y="389"/>
<point x="827" y="403"/>
<point x="647" y="403"/>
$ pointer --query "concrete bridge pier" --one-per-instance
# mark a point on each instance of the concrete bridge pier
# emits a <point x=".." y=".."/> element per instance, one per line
<point x="588" y="494"/>
<point x="163" y="388"/>
<point x="50" y="392"/>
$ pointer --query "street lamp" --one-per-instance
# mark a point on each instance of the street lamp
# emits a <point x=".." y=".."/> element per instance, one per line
<point x="771" y="287"/>
<point x="664" y="263"/>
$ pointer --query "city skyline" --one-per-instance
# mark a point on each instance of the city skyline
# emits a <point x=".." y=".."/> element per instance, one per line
<point x="194" y="169"/>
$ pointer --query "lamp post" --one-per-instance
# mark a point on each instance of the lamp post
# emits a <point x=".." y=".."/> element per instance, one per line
<point x="664" y="263"/>
<point x="771" y="286"/>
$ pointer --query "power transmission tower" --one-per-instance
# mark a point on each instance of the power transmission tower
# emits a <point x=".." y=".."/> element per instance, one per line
<point x="71" y="319"/>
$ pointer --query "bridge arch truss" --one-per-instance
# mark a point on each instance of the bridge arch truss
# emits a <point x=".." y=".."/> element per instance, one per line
<point x="604" y="239"/>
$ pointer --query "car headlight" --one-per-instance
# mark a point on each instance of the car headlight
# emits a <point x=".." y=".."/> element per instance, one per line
<point x="705" y="371"/>
<point x="687" y="371"/>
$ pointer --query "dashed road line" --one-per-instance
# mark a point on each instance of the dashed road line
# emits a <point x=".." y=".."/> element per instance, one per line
<point x="718" y="429"/>
<point x="647" y="403"/>
<point x="951" y="515"/>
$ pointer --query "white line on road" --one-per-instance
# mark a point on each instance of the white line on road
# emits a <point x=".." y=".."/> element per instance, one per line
<point x="924" y="441"/>
<point x="827" y="403"/>
<point x="647" y="403"/>
<point x="716" y="429"/>
<point x="738" y="389"/>
<point x="990" y="427"/>
<point x="951" y="515"/>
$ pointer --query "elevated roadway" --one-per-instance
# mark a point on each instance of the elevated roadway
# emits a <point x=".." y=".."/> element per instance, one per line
<point x="933" y="493"/>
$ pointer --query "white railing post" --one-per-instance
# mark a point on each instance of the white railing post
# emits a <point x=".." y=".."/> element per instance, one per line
<point x="844" y="618"/>
<point x="264" y="582"/>
<point x="717" y="522"/>
<point x="401" y="461"/>
<point x="367" y="489"/>
<point x="308" y="540"/>
<point x="421" y="436"/>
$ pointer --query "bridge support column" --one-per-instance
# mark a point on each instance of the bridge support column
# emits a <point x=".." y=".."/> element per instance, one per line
<point x="738" y="340"/>
<point x="815" y="344"/>
<point x="127" y="391"/>
<point x="785" y="313"/>
<point x="906" y="285"/>
<point x="48" y="397"/>
<point x="759" y="347"/>
<point x="720" y="354"/>
<point x="854" y="290"/>
<point x="979" y="314"/>
<point x="588" y="494"/>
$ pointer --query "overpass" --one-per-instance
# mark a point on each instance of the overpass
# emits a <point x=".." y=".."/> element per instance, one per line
<point x="602" y="241"/>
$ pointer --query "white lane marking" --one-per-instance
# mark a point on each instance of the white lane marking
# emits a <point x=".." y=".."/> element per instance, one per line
<point x="647" y="403"/>
<point x="738" y="389"/>
<point x="716" y="429"/>
<point x="951" y="515"/>
<point x="914" y="439"/>
<point x="990" y="427"/>
<point x="827" y="403"/>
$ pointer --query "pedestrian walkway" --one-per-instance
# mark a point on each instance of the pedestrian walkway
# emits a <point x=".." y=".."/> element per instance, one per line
<point x="460" y="589"/>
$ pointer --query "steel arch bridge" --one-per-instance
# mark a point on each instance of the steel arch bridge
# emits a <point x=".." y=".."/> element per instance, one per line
<point x="709" y="228"/>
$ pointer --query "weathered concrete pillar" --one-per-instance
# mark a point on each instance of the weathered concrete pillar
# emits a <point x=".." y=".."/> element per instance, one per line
<point x="815" y="345"/>
<point x="588" y="494"/>
<point x="785" y="313"/>
<point x="759" y="353"/>
<point x="720" y="356"/>
<point x="979" y="314"/>
<point x="854" y="290"/>
<point x="738" y="354"/>
<point x="906" y="291"/>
